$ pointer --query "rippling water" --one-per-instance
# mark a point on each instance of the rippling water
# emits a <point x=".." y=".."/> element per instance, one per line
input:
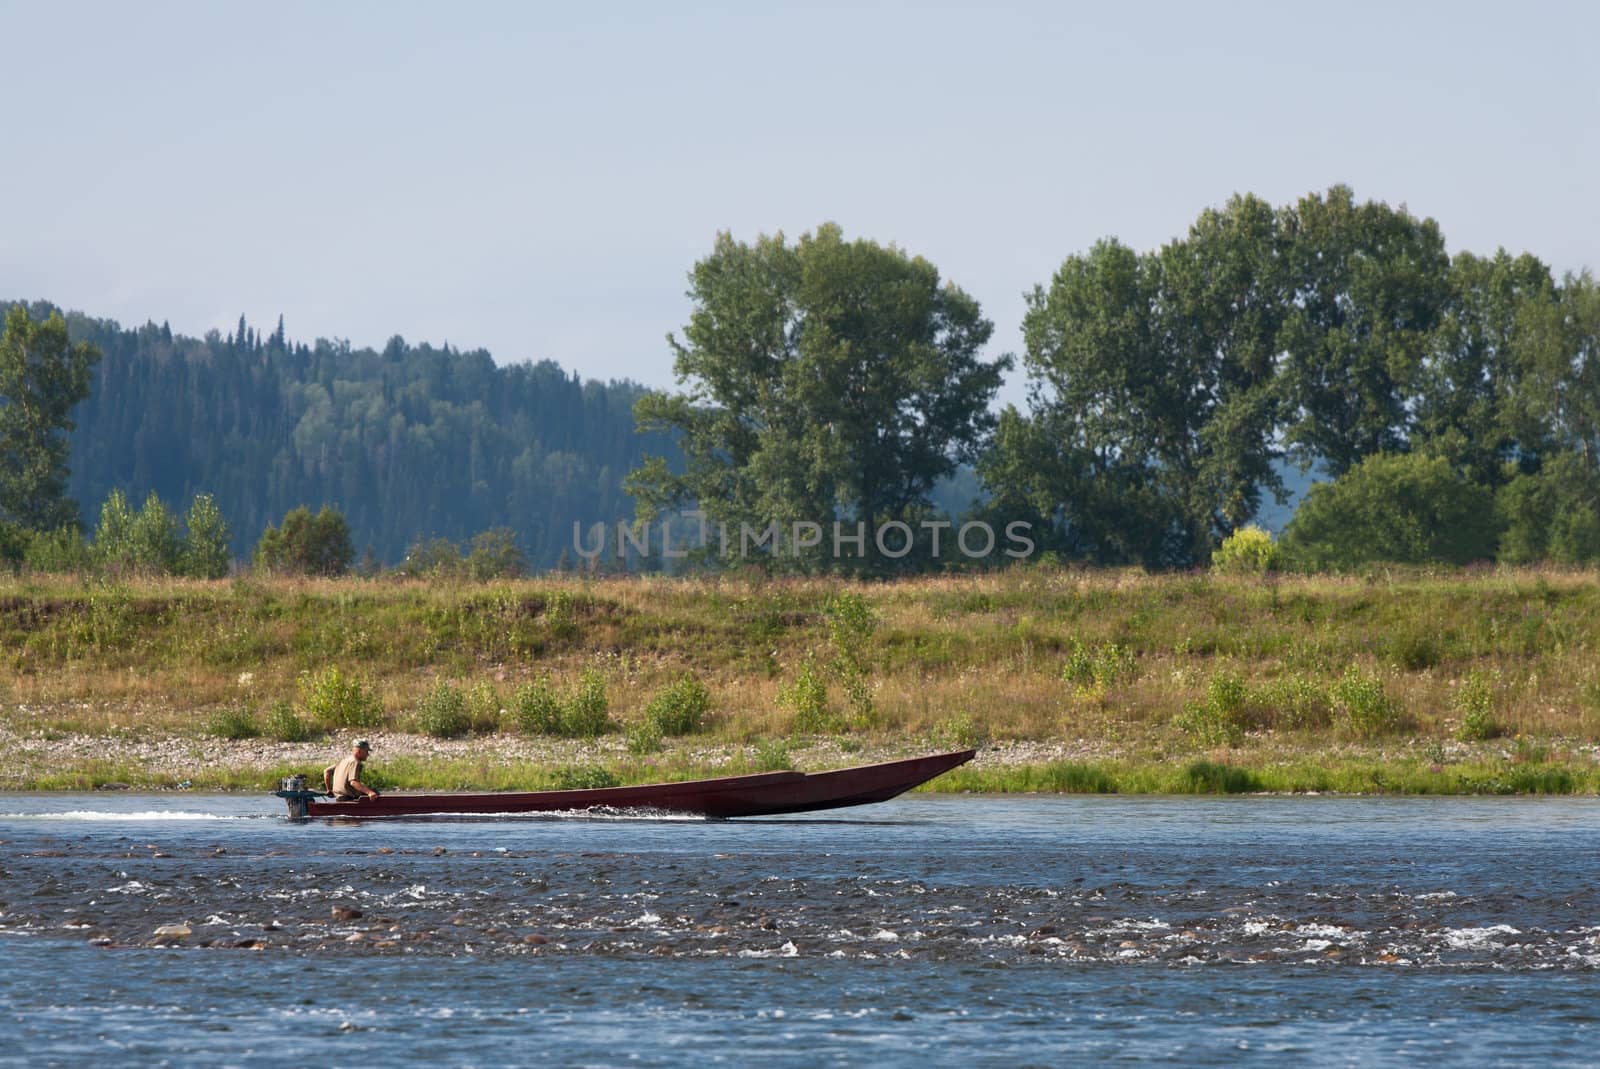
<point x="207" y="930"/>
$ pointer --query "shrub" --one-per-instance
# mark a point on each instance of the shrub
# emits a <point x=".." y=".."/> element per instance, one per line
<point x="1093" y="671"/>
<point x="644" y="737"/>
<point x="584" y="778"/>
<point x="536" y="709"/>
<point x="333" y="699"/>
<point x="483" y="707"/>
<point x="442" y="712"/>
<point x="495" y="554"/>
<point x="1409" y="509"/>
<point x="851" y="623"/>
<point x="232" y="722"/>
<point x="307" y="544"/>
<point x="807" y="699"/>
<point x="58" y="551"/>
<point x="1552" y="515"/>
<point x="432" y="558"/>
<point x="1363" y="705"/>
<point x="282" y="724"/>
<point x="961" y="731"/>
<point x="772" y="755"/>
<point x="586" y="713"/>
<point x="1219" y="720"/>
<point x="1296" y="702"/>
<point x="205" y="545"/>
<point x="681" y="708"/>
<point x="1247" y="551"/>
<point x="1474" y="703"/>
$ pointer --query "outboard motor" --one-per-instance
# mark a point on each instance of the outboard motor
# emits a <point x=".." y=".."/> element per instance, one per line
<point x="292" y="789"/>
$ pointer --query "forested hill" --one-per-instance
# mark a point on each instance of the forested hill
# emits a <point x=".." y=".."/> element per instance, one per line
<point x="410" y="442"/>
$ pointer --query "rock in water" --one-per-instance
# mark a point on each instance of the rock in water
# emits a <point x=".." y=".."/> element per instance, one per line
<point x="345" y="913"/>
<point x="174" y="931"/>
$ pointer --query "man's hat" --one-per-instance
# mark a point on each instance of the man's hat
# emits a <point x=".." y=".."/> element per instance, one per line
<point x="362" y="744"/>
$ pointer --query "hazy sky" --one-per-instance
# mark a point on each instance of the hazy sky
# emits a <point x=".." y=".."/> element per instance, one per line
<point x="537" y="179"/>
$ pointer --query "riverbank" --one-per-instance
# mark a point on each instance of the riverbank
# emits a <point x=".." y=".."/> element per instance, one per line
<point x="1070" y="680"/>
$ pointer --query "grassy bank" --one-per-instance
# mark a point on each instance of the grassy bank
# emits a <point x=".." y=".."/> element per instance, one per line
<point x="1478" y="682"/>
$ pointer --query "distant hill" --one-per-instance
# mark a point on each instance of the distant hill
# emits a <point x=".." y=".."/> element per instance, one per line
<point x="410" y="441"/>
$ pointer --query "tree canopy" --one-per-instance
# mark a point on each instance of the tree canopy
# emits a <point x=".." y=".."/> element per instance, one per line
<point x="826" y="379"/>
<point x="43" y="376"/>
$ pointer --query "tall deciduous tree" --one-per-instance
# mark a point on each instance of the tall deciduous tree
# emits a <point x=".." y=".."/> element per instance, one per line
<point x="42" y="377"/>
<point x="1152" y="393"/>
<point x="825" y="376"/>
<point x="1366" y="286"/>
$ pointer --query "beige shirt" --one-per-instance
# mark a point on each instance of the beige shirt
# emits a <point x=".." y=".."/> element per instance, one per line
<point x="343" y="772"/>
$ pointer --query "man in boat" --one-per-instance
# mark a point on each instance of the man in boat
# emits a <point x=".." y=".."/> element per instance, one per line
<point x="343" y="780"/>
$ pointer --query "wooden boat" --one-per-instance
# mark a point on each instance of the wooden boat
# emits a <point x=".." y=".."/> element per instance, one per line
<point x="756" y="795"/>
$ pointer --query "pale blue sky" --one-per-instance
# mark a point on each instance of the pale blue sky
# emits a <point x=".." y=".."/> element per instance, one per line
<point x="537" y="179"/>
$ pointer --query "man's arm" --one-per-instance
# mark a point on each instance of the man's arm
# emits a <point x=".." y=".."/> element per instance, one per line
<point x="363" y="788"/>
<point x="327" y="779"/>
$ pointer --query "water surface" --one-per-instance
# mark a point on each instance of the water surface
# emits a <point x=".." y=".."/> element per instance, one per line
<point x="204" y="930"/>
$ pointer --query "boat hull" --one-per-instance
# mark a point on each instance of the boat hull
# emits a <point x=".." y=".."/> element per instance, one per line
<point x="757" y="794"/>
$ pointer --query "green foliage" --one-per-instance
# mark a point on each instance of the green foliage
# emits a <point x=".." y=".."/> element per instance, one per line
<point x="584" y="778"/>
<point x="1553" y="514"/>
<point x="232" y="722"/>
<point x="851" y="624"/>
<point x="807" y="699"/>
<point x="483" y="706"/>
<point x="1362" y="706"/>
<point x="1220" y="719"/>
<point x="536" y="709"/>
<point x="1474" y="704"/>
<point x="1404" y="508"/>
<point x="442" y="712"/>
<point x="1295" y="702"/>
<point x="681" y="708"/>
<point x="43" y="376"/>
<point x="153" y="544"/>
<point x="204" y="554"/>
<point x="113" y="535"/>
<point x="819" y="374"/>
<point x="772" y="755"/>
<point x="59" y="552"/>
<point x="644" y="737"/>
<point x="1092" y="671"/>
<point x="307" y="544"/>
<point x="283" y="725"/>
<point x="587" y="712"/>
<point x="334" y="699"/>
<point x="15" y="541"/>
<point x="1247" y="551"/>
<point x="432" y="558"/>
<point x="961" y="731"/>
<point x="495" y="554"/>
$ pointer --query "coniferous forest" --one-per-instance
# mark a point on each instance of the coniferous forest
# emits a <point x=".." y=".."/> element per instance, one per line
<point x="410" y="443"/>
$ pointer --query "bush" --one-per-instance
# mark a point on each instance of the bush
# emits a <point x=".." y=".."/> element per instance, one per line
<point x="442" y="712"/>
<point x="961" y="731"/>
<point x="644" y="737"/>
<point x="536" y="709"/>
<point x="1474" y="703"/>
<point x="282" y="724"/>
<point x="484" y="711"/>
<point x="807" y="699"/>
<point x="586" y="715"/>
<point x="232" y="722"/>
<point x="681" y="708"/>
<point x="432" y="558"/>
<point x="1093" y="671"/>
<point x="1363" y="705"/>
<point x="772" y="755"/>
<point x="1220" y="719"/>
<point x="1247" y="551"/>
<point x="205" y="545"/>
<point x="495" y="554"/>
<point x="14" y="545"/>
<point x="1296" y="702"/>
<point x="307" y="544"/>
<point x="335" y="700"/>
<point x="1407" y="509"/>
<point x="1553" y="515"/>
<point x="57" y="552"/>
<point x="585" y="778"/>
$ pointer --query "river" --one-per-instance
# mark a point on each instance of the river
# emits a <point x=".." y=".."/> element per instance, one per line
<point x="187" y="929"/>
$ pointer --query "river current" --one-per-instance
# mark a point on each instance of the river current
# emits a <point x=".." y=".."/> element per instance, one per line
<point x="186" y="929"/>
